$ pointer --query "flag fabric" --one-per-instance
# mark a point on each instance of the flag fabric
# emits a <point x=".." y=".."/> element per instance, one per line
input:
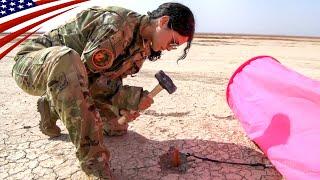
<point x="9" y="7"/>
<point x="279" y="110"/>
<point x="12" y="6"/>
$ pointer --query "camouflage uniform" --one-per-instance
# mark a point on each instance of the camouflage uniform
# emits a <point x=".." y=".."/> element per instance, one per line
<point x="79" y="68"/>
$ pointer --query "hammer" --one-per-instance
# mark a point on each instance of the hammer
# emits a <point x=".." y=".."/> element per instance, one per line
<point x="164" y="83"/>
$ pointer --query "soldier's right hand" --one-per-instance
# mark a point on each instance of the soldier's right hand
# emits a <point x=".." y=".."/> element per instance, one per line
<point x="130" y="115"/>
<point x="145" y="102"/>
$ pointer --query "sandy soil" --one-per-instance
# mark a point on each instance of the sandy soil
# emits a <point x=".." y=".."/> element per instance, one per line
<point x="196" y="119"/>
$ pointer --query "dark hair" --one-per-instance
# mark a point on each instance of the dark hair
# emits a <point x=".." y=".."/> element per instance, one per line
<point x="181" y="20"/>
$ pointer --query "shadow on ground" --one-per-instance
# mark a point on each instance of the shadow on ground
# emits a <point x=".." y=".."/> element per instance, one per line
<point x="135" y="157"/>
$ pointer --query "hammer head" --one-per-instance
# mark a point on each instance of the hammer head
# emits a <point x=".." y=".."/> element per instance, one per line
<point x="165" y="82"/>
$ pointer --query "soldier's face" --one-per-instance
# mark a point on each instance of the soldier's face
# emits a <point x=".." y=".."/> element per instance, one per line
<point x="165" y="38"/>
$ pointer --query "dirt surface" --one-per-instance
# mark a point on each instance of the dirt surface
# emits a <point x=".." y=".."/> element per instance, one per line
<point x="196" y="119"/>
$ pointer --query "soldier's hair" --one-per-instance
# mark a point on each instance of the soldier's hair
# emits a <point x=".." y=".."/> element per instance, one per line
<point x="181" y="20"/>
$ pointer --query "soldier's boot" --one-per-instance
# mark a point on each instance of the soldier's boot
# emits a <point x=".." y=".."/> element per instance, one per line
<point x="48" y="121"/>
<point x="97" y="167"/>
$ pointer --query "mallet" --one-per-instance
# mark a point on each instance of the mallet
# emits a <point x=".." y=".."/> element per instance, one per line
<point x="165" y="82"/>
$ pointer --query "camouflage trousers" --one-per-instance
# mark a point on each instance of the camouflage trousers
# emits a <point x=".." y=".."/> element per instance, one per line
<point x="59" y="73"/>
<point x="87" y="110"/>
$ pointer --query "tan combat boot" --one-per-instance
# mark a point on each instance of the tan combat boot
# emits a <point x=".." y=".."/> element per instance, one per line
<point x="97" y="167"/>
<point x="48" y="122"/>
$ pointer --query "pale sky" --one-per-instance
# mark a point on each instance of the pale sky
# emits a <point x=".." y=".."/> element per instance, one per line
<point x="272" y="17"/>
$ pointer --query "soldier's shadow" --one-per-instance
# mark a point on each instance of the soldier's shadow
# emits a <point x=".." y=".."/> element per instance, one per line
<point x="135" y="157"/>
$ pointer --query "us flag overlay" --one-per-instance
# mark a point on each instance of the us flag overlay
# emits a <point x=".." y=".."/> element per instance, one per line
<point x="9" y="6"/>
<point x="27" y="8"/>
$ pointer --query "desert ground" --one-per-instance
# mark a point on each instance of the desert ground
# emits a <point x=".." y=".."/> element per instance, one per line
<point x="195" y="119"/>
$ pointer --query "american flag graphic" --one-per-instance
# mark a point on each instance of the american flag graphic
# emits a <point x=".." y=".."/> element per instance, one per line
<point x="9" y="7"/>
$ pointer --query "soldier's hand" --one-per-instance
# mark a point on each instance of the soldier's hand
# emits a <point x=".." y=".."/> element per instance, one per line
<point x="133" y="115"/>
<point x="145" y="102"/>
<point x="130" y="115"/>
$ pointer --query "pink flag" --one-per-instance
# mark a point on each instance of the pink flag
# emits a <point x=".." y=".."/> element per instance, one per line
<point x="280" y="111"/>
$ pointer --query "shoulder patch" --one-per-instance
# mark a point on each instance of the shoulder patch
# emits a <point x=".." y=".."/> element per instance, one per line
<point x="102" y="58"/>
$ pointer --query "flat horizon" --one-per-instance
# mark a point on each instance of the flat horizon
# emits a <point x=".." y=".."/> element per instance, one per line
<point x="200" y="34"/>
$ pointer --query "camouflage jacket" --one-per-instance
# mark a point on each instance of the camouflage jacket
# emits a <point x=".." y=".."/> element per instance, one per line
<point x="108" y="40"/>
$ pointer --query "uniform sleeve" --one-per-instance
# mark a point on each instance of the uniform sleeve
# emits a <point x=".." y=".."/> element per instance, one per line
<point x="128" y="97"/>
<point x="108" y="36"/>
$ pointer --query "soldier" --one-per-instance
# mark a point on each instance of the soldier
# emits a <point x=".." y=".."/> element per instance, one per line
<point x="78" y="69"/>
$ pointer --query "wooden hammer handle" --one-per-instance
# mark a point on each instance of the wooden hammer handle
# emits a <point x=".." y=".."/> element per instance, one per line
<point x="123" y="119"/>
<point x="155" y="91"/>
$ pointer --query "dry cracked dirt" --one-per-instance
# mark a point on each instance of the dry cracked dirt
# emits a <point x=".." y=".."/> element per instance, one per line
<point x="195" y="119"/>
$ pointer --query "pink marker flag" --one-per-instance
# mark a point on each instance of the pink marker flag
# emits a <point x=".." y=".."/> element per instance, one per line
<point x="280" y="111"/>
